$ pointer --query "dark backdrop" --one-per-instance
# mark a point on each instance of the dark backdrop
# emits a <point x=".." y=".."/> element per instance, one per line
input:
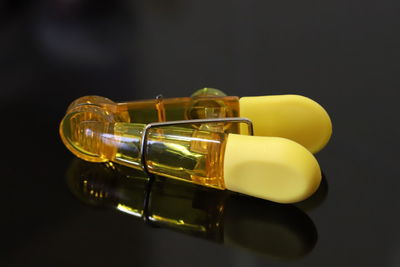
<point x="343" y="54"/>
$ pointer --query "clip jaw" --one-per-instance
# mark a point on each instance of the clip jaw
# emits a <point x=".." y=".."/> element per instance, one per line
<point x="143" y="150"/>
<point x="101" y="109"/>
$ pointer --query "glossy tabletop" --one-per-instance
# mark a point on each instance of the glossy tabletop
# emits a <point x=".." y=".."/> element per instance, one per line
<point x="61" y="211"/>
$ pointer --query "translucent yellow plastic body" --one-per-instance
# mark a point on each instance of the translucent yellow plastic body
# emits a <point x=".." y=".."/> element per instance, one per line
<point x="181" y="153"/>
<point x="205" y="103"/>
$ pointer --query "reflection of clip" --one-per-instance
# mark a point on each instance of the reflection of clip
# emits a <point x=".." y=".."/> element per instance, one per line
<point x="274" y="230"/>
<point x="146" y="129"/>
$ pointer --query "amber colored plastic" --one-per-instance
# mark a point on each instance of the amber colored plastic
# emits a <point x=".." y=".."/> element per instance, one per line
<point x="99" y="130"/>
<point x="204" y="103"/>
<point x="192" y="155"/>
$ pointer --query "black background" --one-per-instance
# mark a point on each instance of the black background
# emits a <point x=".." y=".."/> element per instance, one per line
<point x="343" y="54"/>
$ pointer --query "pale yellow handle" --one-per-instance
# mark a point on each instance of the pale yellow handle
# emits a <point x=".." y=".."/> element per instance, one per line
<point x="271" y="168"/>
<point x="294" y="117"/>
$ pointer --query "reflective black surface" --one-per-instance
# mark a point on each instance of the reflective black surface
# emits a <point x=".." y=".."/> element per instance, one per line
<point x="343" y="54"/>
<point x="269" y="229"/>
